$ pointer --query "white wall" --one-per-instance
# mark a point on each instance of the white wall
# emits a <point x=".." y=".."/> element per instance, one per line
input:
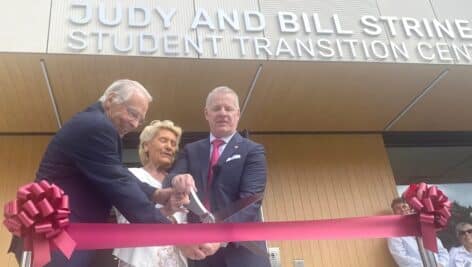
<point x="24" y="25"/>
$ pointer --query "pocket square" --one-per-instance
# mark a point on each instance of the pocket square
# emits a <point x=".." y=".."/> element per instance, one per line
<point x="233" y="157"/>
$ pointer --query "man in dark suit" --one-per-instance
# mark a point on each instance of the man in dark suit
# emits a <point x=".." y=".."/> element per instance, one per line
<point x="84" y="159"/>
<point x="238" y="171"/>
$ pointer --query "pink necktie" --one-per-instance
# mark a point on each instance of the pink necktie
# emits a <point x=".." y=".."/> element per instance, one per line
<point x="215" y="155"/>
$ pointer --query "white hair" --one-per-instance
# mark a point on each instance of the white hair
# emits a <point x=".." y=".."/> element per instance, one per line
<point x="123" y="89"/>
<point x="222" y="90"/>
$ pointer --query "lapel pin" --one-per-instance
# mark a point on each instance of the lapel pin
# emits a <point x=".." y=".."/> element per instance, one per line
<point x="236" y="147"/>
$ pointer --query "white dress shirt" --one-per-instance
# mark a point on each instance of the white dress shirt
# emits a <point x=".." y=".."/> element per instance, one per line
<point x="223" y="146"/>
<point x="405" y="252"/>
<point x="162" y="256"/>
<point x="460" y="257"/>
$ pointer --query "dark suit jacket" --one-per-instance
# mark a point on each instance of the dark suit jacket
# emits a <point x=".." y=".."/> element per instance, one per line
<point x="241" y="171"/>
<point x="84" y="159"/>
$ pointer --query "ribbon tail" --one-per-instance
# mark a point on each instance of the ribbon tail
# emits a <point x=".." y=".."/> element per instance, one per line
<point x="64" y="243"/>
<point x="41" y="252"/>
<point x="429" y="237"/>
<point x="27" y="243"/>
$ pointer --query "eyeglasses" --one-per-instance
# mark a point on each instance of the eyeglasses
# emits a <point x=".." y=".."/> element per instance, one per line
<point x="463" y="232"/>
<point x="135" y="115"/>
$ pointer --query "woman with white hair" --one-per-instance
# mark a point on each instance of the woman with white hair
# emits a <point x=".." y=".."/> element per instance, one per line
<point x="158" y="145"/>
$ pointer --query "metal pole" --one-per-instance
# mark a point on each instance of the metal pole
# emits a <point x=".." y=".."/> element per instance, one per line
<point x="426" y="256"/>
<point x="26" y="259"/>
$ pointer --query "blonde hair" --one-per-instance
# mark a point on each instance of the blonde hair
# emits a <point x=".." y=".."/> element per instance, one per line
<point x="150" y="131"/>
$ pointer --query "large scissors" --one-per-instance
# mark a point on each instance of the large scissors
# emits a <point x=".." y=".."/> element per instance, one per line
<point x="225" y="214"/>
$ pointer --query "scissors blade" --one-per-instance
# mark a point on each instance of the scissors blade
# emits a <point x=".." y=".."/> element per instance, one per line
<point x="199" y="209"/>
<point x="227" y="212"/>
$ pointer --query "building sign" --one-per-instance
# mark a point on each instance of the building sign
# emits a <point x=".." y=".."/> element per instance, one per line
<point x="300" y="35"/>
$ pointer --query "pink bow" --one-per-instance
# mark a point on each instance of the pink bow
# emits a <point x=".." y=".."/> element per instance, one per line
<point x="433" y="208"/>
<point x="40" y="214"/>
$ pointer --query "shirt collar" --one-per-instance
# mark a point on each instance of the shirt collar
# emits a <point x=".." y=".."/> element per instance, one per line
<point x="226" y="139"/>
<point x="463" y="250"/>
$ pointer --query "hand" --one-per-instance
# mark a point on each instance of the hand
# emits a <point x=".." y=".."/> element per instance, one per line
<point x="192" y="252"/>
<point x="209" y="248"/>
<point x="175" y="203"/>
<point x="183" y="183"/>
<point x="162" y="196"/>
<point x="178" y="199"/>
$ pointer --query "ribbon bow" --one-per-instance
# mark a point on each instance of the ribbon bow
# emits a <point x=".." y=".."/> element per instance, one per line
<point x="40" y="214"/>
<point x="433" y="208"/>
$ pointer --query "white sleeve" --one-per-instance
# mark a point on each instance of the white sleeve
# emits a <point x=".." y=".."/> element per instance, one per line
<point x="443" y="255"/>
<point x="400" y="255"/>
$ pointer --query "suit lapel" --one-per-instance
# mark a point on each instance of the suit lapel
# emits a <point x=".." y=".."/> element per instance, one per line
<point x="230" y="149"/>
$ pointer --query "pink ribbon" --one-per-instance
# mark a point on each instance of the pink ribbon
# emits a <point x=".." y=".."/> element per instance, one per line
<point x="433" y="208"/>
<point x="105" y="236"/>
<point x="40" y="215"/>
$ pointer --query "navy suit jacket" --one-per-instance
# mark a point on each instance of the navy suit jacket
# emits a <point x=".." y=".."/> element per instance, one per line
<point x="241" y="171"/>
<point x="84" y="159"/>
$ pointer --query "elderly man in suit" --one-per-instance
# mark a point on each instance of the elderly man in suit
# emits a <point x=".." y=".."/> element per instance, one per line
<point x="225" y="167"/>
<point x="84" y="159"/>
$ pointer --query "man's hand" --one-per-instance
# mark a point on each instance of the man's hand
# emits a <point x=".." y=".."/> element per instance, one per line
<point x="183" y="183"/>
<point x="175" y="203"/>
<point x="192" y="252"/>
<point x="209" y="248"/>
<point x="199" y="252"/>
<point x="162" y="196"/>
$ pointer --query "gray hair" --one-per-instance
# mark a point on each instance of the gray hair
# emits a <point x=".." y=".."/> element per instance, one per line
<point x="460" y="225"/>
<point x="150" y="131"/>
<point x="222" y="90"/>
<point x="123" y="89"/>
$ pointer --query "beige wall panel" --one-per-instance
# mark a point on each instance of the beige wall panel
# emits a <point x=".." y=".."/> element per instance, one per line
<point x="19" y="159"/>
<point x="228" y="47"/>
<point x="417" y="10"/>
<point x="445" y="108"/>
<point x="64" y="11"/>
<point x="456" y="10"/>
<point x="328" y="176"/>
<point x="349" y="13"/>
<point x="293" y="96"/>
<point x="25" y="105"/>
<point x="24" y="26"/>
<point x="179" y="86"/>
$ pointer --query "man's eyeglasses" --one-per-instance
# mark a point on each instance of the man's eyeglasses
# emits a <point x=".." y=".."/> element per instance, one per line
<point x="135" y="115"/>
<point x="463" y="232"/>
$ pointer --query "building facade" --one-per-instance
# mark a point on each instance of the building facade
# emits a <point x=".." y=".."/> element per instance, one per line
<point x="320" y="83"/>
